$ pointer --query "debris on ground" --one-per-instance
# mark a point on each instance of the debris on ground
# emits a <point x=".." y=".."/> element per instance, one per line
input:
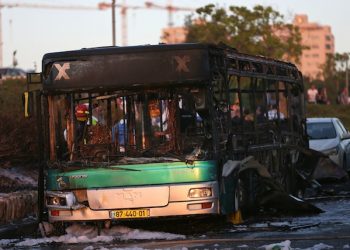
<point x="18" y="197"/>
<point x="269" y="195"/>
<point x="14" y="179"/>
<point x="17" y="205"/>
<point x="285" y="245"/>
<point x="327" y="169"/>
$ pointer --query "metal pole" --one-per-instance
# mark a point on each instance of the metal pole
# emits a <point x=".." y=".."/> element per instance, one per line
<point x="39" y="127"/>
<point x="113" y="23"/>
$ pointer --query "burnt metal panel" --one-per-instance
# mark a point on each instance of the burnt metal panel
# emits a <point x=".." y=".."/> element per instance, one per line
<point x="123" y="69"/>
<point x="245" y="65"/>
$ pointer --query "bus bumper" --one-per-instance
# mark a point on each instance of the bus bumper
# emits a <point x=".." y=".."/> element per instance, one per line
<point x="172" y="209"/>
<point x="179" y="204"/>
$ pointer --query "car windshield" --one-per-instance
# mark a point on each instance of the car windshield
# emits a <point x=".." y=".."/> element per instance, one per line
<point x="321" y="130"/>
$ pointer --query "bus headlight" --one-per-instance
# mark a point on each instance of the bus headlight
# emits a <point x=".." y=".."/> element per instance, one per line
<point x="56" y="201"/>
<point x="64" y="200"/>
<point x="200" y="192"/>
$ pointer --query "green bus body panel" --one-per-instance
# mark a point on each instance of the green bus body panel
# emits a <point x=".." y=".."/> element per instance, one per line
<point x="132" y="175"/>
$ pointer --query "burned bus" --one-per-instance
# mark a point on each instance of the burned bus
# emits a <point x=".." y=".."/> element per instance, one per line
<point x="164" y="130"/>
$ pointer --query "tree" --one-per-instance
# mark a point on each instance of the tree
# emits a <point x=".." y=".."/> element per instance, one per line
<point x="329" y="68"/>
<point x="334" y="72"/>
<point x="260" y="31"/>
<point x="344" y="64"/>
<point x="335" y="66"/>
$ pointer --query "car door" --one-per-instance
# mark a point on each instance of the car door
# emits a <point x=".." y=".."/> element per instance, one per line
<point x="344" y="144"/>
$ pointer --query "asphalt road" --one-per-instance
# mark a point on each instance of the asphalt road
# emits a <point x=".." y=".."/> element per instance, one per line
<point x="321" y="231"/>
<point x="330" y="229"/>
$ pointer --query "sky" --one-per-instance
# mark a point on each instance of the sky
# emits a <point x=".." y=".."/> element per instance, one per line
<point x="32" y="32"/>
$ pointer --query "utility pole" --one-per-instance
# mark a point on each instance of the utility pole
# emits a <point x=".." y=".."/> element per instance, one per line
<point x="113" y="23"/>
<point x="148" y="5"/>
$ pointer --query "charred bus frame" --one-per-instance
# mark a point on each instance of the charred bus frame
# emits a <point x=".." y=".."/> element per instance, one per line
<point x="186" y="115"/>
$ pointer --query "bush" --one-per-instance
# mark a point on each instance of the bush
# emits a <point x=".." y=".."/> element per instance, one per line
<point x="333" y="110"/>
<point x="17" y="134"/>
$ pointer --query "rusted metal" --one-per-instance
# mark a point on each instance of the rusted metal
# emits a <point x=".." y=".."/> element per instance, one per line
<point x="52" y="126"/>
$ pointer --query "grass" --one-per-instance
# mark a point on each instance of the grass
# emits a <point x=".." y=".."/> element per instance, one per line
<point x="334" y="110"/>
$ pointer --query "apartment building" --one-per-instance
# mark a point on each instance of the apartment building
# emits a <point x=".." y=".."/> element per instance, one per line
<point x="320" y="41"/>
<point x="172" y="35"/>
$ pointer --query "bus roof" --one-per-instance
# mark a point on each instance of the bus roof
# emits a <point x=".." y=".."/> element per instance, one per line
<point x="163" y="65"/>
<point x="126" y="67"/>
<point x="109" y="50"/>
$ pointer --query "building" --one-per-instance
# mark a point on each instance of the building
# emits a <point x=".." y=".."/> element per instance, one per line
<point x="172" y="35"/>
<point x="320" y="41"/>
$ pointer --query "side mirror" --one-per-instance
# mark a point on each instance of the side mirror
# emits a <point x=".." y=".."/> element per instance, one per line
<point x="345" y="136"/>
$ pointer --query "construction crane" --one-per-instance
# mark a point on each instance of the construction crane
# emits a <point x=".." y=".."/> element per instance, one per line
<point x="47" y="6"/>
<point x="123" y="12"/>
<point x="148" y="5"/>
<point x="170" y="8"/>
<point x="101" y="6"/>
<point x="39" y="6"/>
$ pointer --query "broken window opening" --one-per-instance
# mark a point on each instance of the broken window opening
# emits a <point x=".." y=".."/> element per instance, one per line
<point x="158" y="123"/>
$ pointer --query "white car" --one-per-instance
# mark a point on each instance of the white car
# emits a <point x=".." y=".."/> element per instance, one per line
<point x="12" y="73"/>
<point x="329" y="136"/>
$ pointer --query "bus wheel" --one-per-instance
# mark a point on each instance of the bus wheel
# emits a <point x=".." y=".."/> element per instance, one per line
<point x="52" y="229"/>
<point x="59" y="228"/>
<point x="236" y="216"/>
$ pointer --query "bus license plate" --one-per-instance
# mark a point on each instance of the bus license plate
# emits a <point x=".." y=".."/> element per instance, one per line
<point x="130" y="213"/>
